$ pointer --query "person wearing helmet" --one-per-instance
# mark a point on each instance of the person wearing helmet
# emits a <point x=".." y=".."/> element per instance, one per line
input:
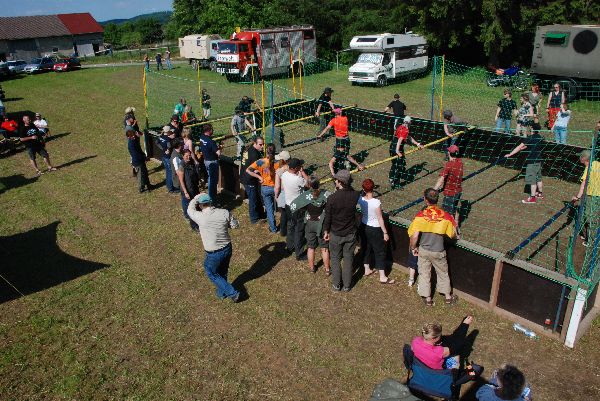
<point x="401" y="136"/>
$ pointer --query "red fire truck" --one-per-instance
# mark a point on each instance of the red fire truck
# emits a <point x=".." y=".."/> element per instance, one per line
<point x="265" y="52"/>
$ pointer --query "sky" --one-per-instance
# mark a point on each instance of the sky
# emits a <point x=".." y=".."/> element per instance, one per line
<point x="101" y="10"/>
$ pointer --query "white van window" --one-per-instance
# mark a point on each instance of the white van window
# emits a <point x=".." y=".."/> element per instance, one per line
<point x="366" y="40"/>
<point x="374" y="58"/>
<point x="404" y="53"/>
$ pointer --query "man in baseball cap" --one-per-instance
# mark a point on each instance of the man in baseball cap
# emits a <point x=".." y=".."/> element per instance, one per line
<point x="339" y="228"/>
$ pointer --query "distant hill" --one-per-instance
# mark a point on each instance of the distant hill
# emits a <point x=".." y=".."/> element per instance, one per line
<point x="162" y="16"/>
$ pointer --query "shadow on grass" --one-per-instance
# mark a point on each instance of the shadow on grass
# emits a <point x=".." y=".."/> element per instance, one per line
<point x="76" y="161"/>
<point x="57" y="136"/>
<point x="12" y="99"/>
<point x="270" y="255"/>
<point x="14" y="181"/>
<point x="32" y="261"/>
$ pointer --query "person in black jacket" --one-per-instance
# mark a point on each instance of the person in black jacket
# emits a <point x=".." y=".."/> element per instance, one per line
<point x="189" y="182"/>
<point x="339" y="228"/>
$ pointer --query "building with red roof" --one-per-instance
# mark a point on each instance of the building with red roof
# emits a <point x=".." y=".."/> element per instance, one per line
<point x="62" y="35"/>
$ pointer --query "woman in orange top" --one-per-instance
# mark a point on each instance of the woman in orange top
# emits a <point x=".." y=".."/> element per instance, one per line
<point x="264" y="171"/>
<point x="340" y="127"/>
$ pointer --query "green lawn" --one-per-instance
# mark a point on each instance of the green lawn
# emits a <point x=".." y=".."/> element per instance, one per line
<point x="134" y="317"/>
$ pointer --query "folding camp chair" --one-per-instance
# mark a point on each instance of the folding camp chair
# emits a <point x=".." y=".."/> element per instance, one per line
<point x="443" y="383"/>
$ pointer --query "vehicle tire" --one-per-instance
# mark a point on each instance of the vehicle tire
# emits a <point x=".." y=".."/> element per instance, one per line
<point x="570" y="88"/>
<point x="212" y="65"/>
<point x="381" y="81"/>
<point x="354" y="83"/>
<point x="492" y="81"/>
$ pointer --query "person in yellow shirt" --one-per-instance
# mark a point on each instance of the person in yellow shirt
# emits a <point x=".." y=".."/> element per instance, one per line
<point x="590" y="185"/>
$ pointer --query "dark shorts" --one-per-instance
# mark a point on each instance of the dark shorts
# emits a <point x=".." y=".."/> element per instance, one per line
<point x="533" y="173"/>
<point x="312" y="239"/>
<point x="39" y="150"/>
<point x="412" y="261"/>
<point x="450" y="203"/>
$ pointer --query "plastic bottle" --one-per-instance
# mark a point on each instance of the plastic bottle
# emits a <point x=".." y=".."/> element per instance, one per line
<point x="517" y="327"/>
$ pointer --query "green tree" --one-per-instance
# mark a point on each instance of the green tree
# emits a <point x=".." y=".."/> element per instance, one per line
<point x="112" y="34"/>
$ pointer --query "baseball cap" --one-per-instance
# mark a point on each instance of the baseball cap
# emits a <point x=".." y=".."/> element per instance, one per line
<point x="453" y="149"/>
<point x="337" y="110"/>
<point x="295" y="163"/>
<point x="203" y="198"/>
<point x="407" y="119"/>
<point x="343" y="176"/>
<point x="166" y="129"/>
<point x="283" y="155"/>
<point x="327" y="90"/>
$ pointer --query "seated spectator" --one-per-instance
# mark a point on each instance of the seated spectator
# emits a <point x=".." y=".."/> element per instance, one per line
<point x="41" y="124"/>
<point x="437" y="351"/>
<point x="188" y="116"/>
<point x="9" y="128"/>
<point x="507" y="383"/>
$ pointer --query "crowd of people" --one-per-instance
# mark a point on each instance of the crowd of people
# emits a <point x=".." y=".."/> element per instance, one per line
<point x="311" y="217"/>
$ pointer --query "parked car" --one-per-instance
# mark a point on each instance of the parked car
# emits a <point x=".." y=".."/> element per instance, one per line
<point x="17" y="66"/>
<point x="4" y="71"/>
<point x="67" y="64"/>
<point x="40" y="64"/>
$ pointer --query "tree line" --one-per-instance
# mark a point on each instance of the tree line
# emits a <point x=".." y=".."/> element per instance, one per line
<point x="467" y="31"/>
<point x="133" y="34"/>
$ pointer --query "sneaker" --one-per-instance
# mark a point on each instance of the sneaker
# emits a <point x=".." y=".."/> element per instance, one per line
<point x="346" y="289"/>
<point x="530" y="199"/>
<point x="337" y="287"/>
<point x="236" y="298"/>
<point x="539" y="195"/>
<point x="586" y="244"/>
<point x="411" y="282"/>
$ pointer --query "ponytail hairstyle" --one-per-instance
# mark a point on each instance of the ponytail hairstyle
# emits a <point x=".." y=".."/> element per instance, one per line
<point x="315" y="185"/>
<point x="271" y="158"/>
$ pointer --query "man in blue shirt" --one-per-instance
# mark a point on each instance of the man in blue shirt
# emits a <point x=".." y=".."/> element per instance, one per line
<point x="210" y="152"/>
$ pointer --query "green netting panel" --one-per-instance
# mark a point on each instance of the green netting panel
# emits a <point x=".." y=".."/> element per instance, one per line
<point x="491" y="212"/>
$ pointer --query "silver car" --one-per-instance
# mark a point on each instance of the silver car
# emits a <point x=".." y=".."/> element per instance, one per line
<point x="16" y="66"/>
<point x="40" y="64"/>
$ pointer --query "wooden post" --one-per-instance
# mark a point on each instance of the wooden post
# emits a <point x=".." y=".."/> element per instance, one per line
<point x="496" y="282"/>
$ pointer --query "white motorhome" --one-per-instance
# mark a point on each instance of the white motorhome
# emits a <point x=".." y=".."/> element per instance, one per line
<point x="200" y="50"/>
<point x="387" y="56"/>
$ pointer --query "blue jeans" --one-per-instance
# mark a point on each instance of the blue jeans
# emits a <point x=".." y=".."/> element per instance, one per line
<point x="560" y="134"/>
<point x="268" y="196"/>
<point x="503" y="121"/>
<point x="212" y="169"/>
<point x="168" y="63"/>
<point x="252" y="192"/>
<point x="168" y="174"/>
<point x="216" y="266"/>
<point x="185" y="202"/>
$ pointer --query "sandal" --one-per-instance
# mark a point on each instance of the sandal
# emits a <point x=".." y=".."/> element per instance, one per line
<point x="328" y="272"/>
<point x="369" y="274"/>
<point x="428" y="303"/>
<point x="411" y="282"/>
<point x="451" y="301"/>
<point x="388" y="281"/>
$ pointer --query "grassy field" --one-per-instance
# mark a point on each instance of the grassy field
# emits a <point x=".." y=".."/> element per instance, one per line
<point x="116" y="304"/>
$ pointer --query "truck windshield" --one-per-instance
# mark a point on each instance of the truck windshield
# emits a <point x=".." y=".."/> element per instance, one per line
<point x="373" y="58"/>
<point x="227" y="48"/>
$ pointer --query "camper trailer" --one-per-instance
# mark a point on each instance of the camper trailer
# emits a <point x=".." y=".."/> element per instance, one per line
<point x="200" y="50"/>
<point x="569" y="54"/>
<point x="387" y="56"/>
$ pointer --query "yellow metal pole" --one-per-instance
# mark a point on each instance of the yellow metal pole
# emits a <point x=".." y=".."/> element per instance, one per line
<point x="300" y="70"/>
<point x="264" y="131"/>
<point x="293" y="74"/>
<point x="199" y="87"/>
<point x="377" y="163"/>
<point x="145" y="106"/>
<point x="253" y="83"/>
<point x="442" y="93"/>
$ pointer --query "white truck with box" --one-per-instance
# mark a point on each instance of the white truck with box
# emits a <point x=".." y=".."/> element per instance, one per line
<point x="387" y="56"/>
<point x="200" y="50"/>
